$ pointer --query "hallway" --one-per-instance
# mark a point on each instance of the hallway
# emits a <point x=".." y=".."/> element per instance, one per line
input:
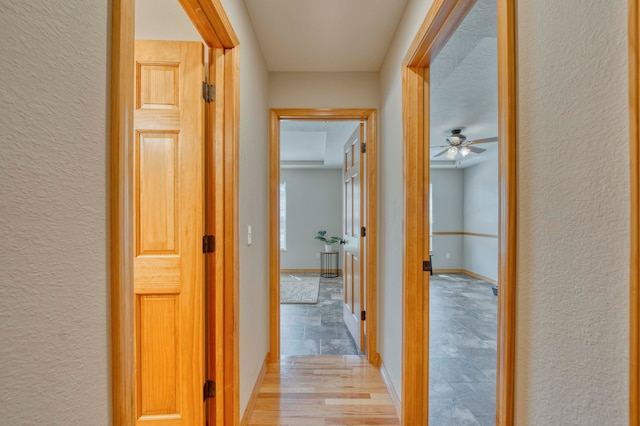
<point x="323" y="390"/>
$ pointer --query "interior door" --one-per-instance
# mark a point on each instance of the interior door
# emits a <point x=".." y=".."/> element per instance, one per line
<point x="354" y="222"/>
<point x="168" y="216"/>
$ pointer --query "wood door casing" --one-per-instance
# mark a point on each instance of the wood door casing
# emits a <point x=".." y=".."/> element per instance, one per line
<point x="168" y="221"/>
<point x="354" y="277"/>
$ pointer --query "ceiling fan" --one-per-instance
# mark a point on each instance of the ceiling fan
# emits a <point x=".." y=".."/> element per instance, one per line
<point x="458" y="143"/>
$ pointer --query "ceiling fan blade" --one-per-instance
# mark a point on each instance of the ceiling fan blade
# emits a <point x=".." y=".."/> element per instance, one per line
<point x="476" y="149"/>
<point x="485" y="140"/>
<point x="440" y="153"/>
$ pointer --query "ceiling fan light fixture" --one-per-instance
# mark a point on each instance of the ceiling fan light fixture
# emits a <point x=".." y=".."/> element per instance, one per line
<point x="456" y="137"/>
<point x="451" y="153"/>
<point x="465" y="151"/>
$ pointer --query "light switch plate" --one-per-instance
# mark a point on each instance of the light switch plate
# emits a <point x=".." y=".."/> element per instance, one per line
<point x="249" y="235"/>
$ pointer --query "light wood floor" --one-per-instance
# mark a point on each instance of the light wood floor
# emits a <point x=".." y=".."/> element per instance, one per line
<point x="323" y="390"/>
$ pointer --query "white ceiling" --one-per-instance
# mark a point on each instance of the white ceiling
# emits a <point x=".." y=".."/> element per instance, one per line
<point x="325" y="35"/>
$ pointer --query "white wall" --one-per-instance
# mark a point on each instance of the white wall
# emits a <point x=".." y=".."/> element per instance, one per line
<point x="481" y="217"/>
<point x="253" y="202"/>
<point x="573" y="213"/>
<point x="314" y="202"/>
<point x="54" y="366"/>
<point x="573" y="210"/>
<point x="447" y="207"/>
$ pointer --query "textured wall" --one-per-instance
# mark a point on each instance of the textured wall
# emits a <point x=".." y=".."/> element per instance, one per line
<point x="481" y="217"/>
<point x="314" y="202"/>
<point x="447" y="208"/>
<point x="53" y="213"/>
<point x="573" y="183"/>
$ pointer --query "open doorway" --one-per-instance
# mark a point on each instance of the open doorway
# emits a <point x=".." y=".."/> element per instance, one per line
<point x="464" y="211"/>
<point x="346" y="270"/>
<point x="312" y="266"/>
<point x="438" y="27"/>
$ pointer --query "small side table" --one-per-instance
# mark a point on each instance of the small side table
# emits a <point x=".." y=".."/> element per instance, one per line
<point x="329" y="261"/>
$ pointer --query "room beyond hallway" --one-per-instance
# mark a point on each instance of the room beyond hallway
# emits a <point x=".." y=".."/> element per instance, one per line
<point x="316" y="328"/>
<point x="327" y="390"/>
<point x="462" y="351"/>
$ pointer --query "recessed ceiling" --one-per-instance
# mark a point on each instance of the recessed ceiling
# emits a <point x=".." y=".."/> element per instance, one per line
<point x="325" y="35"/>
<point x="314" y="143"/>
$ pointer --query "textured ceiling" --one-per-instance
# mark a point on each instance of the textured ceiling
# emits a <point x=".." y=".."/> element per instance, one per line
<point x="464" y="84"/>
<point x="326" y="35"/>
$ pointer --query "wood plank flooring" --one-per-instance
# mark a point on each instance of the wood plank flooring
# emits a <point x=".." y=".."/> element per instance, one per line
<point x="323" y="390"/>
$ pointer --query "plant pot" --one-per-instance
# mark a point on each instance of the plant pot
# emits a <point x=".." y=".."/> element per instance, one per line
<point x="328" y="247"/>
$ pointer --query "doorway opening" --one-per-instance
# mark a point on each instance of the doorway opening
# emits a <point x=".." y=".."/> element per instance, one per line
<point x="312" y="225"/>
<point x="440" y="24"/>
<point x="463" y="221"/>
<point x="296" y="255"/>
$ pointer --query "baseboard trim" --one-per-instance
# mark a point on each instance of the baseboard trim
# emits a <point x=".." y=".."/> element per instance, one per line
<point x="299" y="271"/>
<point x="248" y="411"/>
<point x="467" y="272"/>
<point x="393" y="393"/>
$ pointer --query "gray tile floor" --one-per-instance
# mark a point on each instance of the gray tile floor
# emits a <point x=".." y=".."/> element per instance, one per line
<point x="462" y="355"/>
<point x="316" y="329"/>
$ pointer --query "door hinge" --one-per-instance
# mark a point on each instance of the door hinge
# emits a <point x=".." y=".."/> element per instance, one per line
<point x="208" y="244"/>
<point x="426" y="266"/>
<point x="363" y="231"/>
<point x="209" y="390"/>
<point x="363" y="316"/>
<point x="208" y="92"/>
<point x="363" y="148"/>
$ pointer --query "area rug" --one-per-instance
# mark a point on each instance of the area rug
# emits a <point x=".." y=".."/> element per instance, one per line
<point x="295" y="289"/>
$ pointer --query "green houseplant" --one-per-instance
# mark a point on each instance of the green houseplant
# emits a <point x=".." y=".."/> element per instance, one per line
<point x="328" y="241"/>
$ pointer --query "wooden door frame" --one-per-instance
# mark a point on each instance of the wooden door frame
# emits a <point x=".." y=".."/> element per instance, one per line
<point x="441" y="22"/>
<point x="634" y="156"/>
<point x="210" y="20"/>
<point x="370" y="115"/>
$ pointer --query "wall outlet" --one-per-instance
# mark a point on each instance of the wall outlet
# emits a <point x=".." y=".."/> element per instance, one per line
<point x="317" y="255"/>
<point x="448" y="255"/>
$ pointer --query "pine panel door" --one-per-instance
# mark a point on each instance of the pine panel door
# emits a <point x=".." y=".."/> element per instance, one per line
<point x="354" y="277"/>
<point x="168" y="215"/>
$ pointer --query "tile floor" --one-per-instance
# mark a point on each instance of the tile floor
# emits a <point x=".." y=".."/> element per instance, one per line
<point x="316" y="329"/>
<point x="462" y="355"/>
<point x="463" y="318"/>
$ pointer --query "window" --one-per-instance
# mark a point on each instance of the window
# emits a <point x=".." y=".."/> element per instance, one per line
<point x="283" y="216"/>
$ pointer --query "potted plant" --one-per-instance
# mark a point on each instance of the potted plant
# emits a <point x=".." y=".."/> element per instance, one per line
<point x="328" y="241"/>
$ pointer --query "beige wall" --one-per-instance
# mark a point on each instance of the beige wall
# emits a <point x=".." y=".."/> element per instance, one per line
<point x="253" y="202"/>
<point x="323" y="90"/>
<point x="573" y="216"/>
<point x="390" y="234"/>
<point x="54" y="328"/>
<point x="573" y="204"/>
